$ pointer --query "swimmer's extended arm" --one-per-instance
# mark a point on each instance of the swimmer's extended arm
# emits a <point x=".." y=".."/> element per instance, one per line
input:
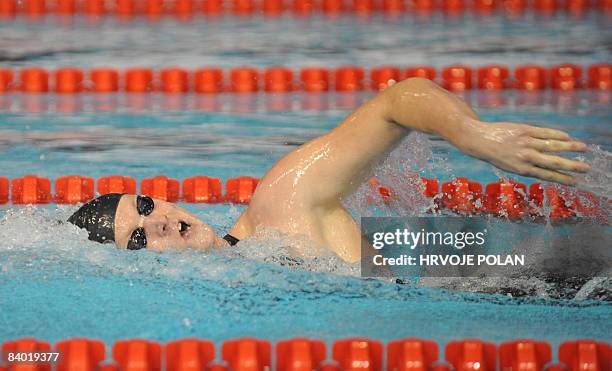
<point x="331" y="166"/>
<point x="518" y="148"/>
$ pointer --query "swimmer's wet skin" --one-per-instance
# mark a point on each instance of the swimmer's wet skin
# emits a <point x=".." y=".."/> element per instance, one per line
<point x="301" y="193"/>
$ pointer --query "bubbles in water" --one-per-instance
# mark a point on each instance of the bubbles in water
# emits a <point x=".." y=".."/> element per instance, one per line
<point x="599" y="179"/>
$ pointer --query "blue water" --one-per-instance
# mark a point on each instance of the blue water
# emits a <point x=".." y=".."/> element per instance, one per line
<point x="54" y="284"/>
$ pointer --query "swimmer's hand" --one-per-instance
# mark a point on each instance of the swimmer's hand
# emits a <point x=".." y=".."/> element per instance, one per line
<point x="523" y="149"/>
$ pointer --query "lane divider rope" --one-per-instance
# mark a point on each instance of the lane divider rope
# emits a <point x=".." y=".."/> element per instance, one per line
<point x="505" y="198"/>
<point x="155" y="9"/>
<point x="252" y="354"/>
<point x="69" y="80"/>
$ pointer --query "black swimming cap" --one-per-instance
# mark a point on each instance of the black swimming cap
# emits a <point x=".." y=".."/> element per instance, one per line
<point x="98" y="217"/>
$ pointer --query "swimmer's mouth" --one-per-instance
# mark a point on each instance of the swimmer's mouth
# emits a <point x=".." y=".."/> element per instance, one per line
<point x="184" y="228"/>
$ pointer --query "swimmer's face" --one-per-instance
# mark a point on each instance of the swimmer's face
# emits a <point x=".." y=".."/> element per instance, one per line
<point x="166" y="226"/>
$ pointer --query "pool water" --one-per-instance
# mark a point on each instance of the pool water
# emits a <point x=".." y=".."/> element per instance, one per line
<point x="54" y="284"/>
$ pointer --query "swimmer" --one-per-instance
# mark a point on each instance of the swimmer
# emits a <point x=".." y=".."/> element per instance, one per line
<point x="301" y="193"/>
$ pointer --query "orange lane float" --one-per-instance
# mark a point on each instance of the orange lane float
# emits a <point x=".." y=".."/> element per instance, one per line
<point x="299" y="354"/>
<point x="586" y="355"/>
<point x="138" y="354"/>
<point x="426" y="72"/>
<point x="189" y="354"/>
<point x="174" y="80"/>
<point x="247" y="354"/>
<point x="73" y="189"/>
<point x="154" y="9"/>
<point x="79" y="353"/>
<point x="208" y="80"/>
<point x="240" y="190"/>
<point x="358" y="354"/>
<point x="4" y="190"/>
<point x="504" y="198"/>
<point x="315" y="79"/>
<point x="302" y="354"/>
<point x="104" y="80"/>
<point x="202" y="189"/>
<point x="34" y="80"/>
<point x="116" y="184"/>
<point x="278" y="79"/>
<point x="471" y="355"/>
<point x="457" y="78"/>
<point x="244" y="80"/>
<point x="31" y="190"/>
<point x="161" y="187"/>
<point x="349" y="78"/>
<point x="524" y="355"/>
<point x="6" y="79"/>
<point x="564" y="77"/>
<point x="600" y="76"/>
<point x="530" y="77"/>
<point x="493" y="77"/>
<point x="385" y="76"/>
<point x="411" y="354"/>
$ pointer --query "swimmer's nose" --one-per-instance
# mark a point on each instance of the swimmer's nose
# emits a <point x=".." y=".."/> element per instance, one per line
<point x="160" y="225"/>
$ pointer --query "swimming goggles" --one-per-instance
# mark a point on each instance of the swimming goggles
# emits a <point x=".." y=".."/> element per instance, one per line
<point x="138" y="239"/>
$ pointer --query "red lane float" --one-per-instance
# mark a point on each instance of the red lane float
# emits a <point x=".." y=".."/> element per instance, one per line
<point x="583" y="355"/>
<point x="4" y="190"/>
<point x="411" y="355"/>
<point x="493" y="77"/>
<point x="68" y="80"/>
<point x="457" y="78"/>
<point x="315" y="79"/>
<point x="426" y="72"/>
<point x="530" y="77"/>
<point x="6" y="79"/>
<point x="174" y="80"/>
<point x="385" y="76"/>
<point x="462" y="196"/>
<point x="138" y="80"/>
<point x="566" y="76"/>
<point x="247" y="354"/>
<point x="116" y="184"/>
<point x="212" y="7"/>
<point x="34" y="80"/>
<point x="244" y="80"/>
<point x="202" y="189"/>
<point x="137" y="355"/>
<point x="299" y="354"/>
<point x="208" y="80"/>
<point x="506" y="198"/>
<point x="73" y="189"/>
<point x="8" y="8"/>
<point x="104" y="80"/>
<point x="394" y="6"/>
<point x="189" y="354"/>
<point x="278" y="79"/>
<point x="524" y="355"/>
<point x="81" y="354"/>
<point x="349" y="78"/>
<point x="471" y="355"/>
<point x="240" y="190"/>
<point x="94" y="7"/>
<point x="161" y="187"/>
<point x="600" y="76"/>
<point x="358" y="354"/>
<point x="30" y="190"/>
<point x="26" y="345"/>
